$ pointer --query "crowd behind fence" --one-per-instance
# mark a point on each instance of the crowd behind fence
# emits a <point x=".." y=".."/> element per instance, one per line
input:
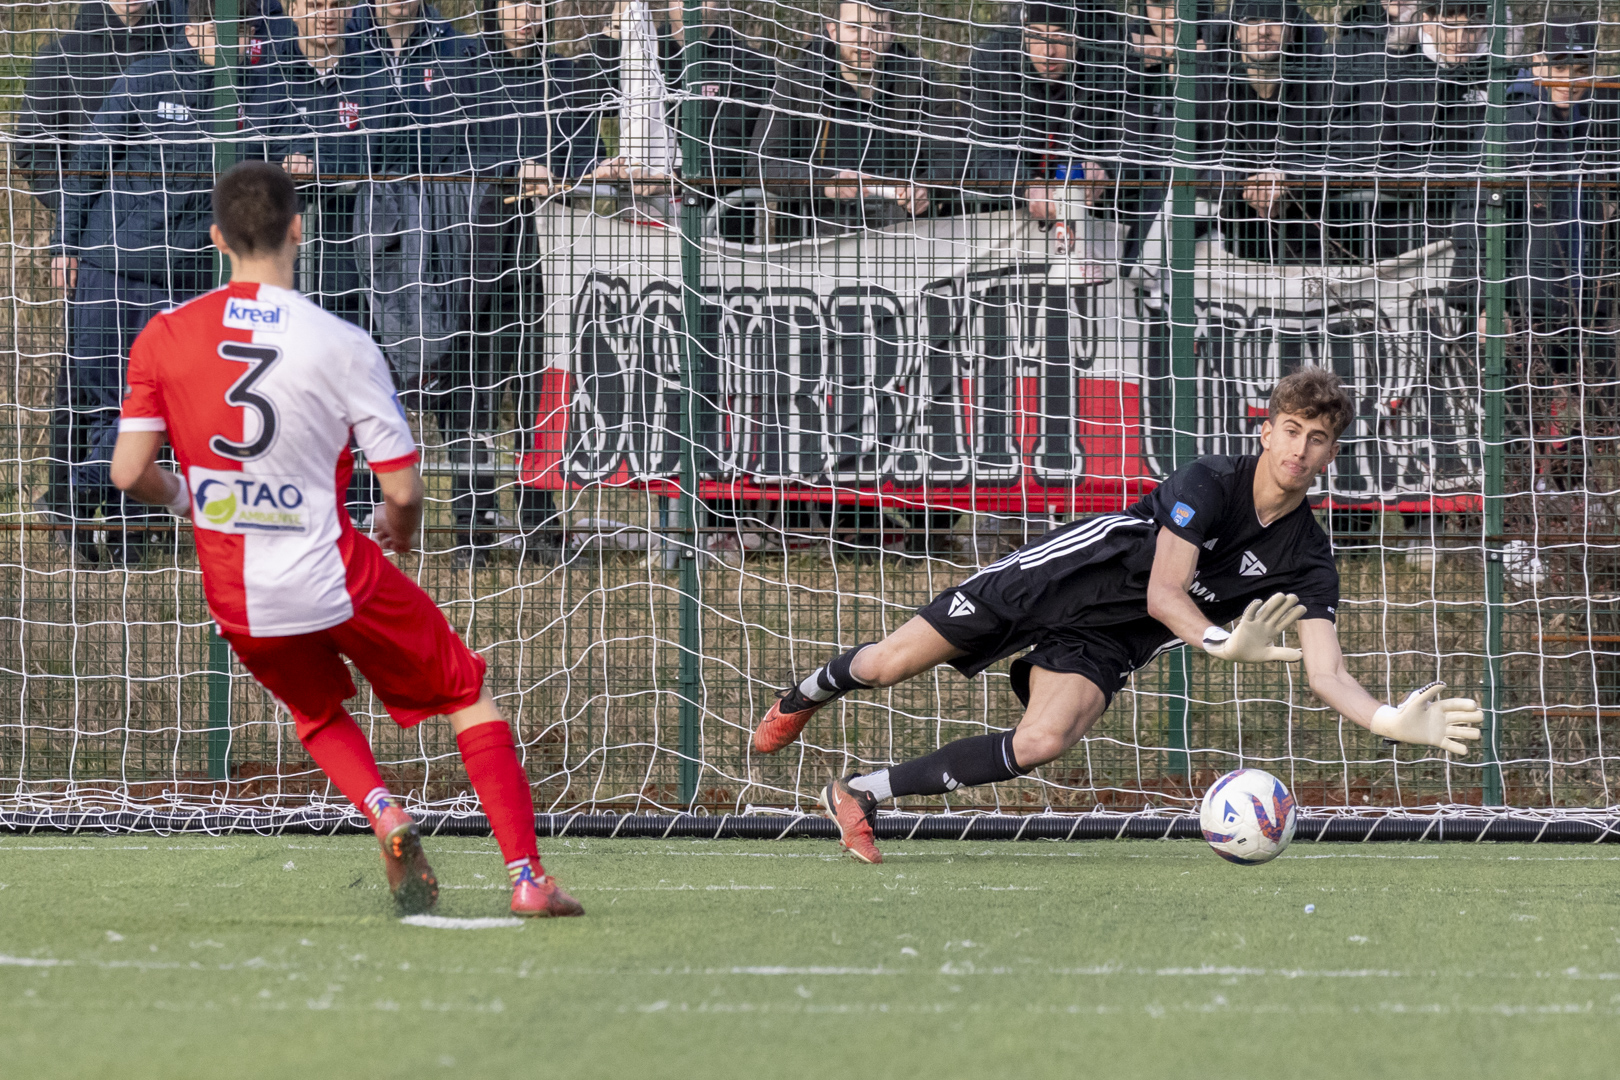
<point x="698" y="279"/>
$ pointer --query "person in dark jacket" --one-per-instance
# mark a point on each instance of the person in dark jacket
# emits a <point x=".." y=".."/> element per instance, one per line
<point x="329" y="80"/>
<point x="1410" y="109"/>
<point x="861" y="119"/>
<point x="1372" y="30"/>
<point x="432" y="150"/>
<point x="1423" y="108"/>
<point x="134" y="220"/>
<point x="1262" y="122"/>
<point x="537" y="131"/>
<point x="1148" y="119"/>
<point x="70" y="78"/>
<point x="65" y="86"/>
<point x="1563" y="139"/>
<point x="538" y="127"/>
<point x="429" y="78"/>
<point x="1372" y="38"/>
<point x="1044" y="103"/>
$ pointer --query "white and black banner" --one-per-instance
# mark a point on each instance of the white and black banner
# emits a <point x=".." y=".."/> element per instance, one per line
<point x="976" y="354"/>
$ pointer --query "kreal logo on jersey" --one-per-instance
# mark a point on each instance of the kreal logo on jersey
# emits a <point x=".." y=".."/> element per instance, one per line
<point x="233" y="502"/>
<point x="255" y="315"/>
<point x="1181" y="514"/>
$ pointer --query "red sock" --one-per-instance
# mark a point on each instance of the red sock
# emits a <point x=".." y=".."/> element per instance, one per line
<point x="340" y="748"/>
<point x="496" y="774"/>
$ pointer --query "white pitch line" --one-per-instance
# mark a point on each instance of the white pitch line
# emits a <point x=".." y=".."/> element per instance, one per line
<point x="442" y="922"/>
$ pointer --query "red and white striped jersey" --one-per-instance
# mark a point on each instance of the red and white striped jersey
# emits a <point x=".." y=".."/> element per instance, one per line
<point x="259" y="391"/>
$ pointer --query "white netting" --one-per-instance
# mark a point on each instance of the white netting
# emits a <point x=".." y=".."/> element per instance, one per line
<point x="926" y="283"/>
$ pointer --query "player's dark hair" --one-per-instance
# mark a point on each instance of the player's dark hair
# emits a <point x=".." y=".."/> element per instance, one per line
<point x="254" y="203"/>
<point x="1311" y="392"/>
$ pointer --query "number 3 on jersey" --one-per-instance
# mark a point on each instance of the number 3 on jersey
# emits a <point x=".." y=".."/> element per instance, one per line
<point x="260" y="359"/>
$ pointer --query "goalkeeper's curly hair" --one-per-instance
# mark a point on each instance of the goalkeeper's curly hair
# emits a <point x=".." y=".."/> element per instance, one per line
<point x="1311" y="392"/>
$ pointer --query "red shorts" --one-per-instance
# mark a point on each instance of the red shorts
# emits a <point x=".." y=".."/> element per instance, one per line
<point x="400" y="641"/>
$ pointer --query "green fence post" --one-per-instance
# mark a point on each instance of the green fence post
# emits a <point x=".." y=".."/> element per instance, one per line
<point x="219" y="706"/>
<point x="694" y="165"/>
<point x="225" y="112"/>
<point x="1495" y="389"/>
<point x="1183" y="324"/>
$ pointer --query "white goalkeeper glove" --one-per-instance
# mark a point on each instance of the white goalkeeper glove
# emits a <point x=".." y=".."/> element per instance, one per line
<point x="1250" y="642"/>
<point x="1426" y="720"/>
<point x="179" y="503"/>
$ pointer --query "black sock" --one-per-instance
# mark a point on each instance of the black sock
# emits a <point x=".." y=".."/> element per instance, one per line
<point x="833" y="678"/>
<point x="980" y="759"/>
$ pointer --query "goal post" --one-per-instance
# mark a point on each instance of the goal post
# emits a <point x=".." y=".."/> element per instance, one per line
<point x="783" y="345"/>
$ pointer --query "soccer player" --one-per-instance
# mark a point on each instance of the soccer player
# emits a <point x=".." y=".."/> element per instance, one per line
<point x="259" y="391"/>
<point x="1221" y="538"/>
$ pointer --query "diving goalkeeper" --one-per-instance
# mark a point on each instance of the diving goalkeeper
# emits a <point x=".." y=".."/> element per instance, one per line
<point x="1221" y="538"/>
<point x="260" y="391"/>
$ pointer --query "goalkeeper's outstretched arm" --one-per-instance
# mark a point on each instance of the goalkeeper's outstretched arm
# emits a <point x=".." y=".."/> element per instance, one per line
<point x="1423" y="717"/>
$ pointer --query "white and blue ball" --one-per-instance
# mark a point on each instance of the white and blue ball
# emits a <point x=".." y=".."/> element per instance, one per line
<point x="1248" y="816"/>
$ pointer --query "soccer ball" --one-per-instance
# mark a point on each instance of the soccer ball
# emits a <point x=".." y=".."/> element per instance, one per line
<point x="1247" y="816"/>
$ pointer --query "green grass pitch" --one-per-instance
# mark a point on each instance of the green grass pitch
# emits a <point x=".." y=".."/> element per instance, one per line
<point x="145" y="956"/>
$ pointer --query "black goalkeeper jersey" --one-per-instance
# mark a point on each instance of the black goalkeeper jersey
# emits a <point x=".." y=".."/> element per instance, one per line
<point x="1210" y="503"/>
<point x="1078" y="595"/>
<point x="1095" y="571"/>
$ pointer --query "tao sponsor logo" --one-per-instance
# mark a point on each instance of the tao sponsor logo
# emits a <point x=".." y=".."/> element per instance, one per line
<point x="234" y="503"/>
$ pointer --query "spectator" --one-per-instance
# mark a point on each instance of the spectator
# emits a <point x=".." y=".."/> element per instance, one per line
<point x="860" y="118"/>
<point x="64" y="88"/>
<point x="537" y="132"/>
<point x="1407" y="109"/>
<point x="1371" y="38"/>
<point x="416" y="222"/>
<point x="1373" y="224"/>
<point x="1148" y="144"/>
<point x="1562" y="257"/>
<point x="1262" y="119"/>
<point x="429" y="78"/>
<point x="1045" y="103"/>
<point x="328" y="81"/>
<point x="541" y="129"/>
<point x="133" y="233"/>
<point x="1426" y="113"/>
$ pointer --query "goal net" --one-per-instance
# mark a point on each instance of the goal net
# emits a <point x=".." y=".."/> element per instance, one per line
<point x="734" y="332"/>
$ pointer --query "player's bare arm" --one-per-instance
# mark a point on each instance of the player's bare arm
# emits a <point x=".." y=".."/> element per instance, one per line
<point x="1421" y="718"/>
<point x="135" y="472"/>
<point x="1175" y="565"/>
<point x="396" y="527"/>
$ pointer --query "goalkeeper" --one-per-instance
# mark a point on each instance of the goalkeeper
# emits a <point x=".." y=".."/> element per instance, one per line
<point x="1221" y="538"/>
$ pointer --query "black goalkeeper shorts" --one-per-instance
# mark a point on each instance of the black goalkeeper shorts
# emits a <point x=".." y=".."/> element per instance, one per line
<point x="1011" y="605"/>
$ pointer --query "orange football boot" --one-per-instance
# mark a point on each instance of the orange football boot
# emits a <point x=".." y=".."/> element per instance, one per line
<point x="856" y="813"/>
<point x="410" y="878"/>
<point x="788" y="715"/>
<point x="536" y="894"/>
